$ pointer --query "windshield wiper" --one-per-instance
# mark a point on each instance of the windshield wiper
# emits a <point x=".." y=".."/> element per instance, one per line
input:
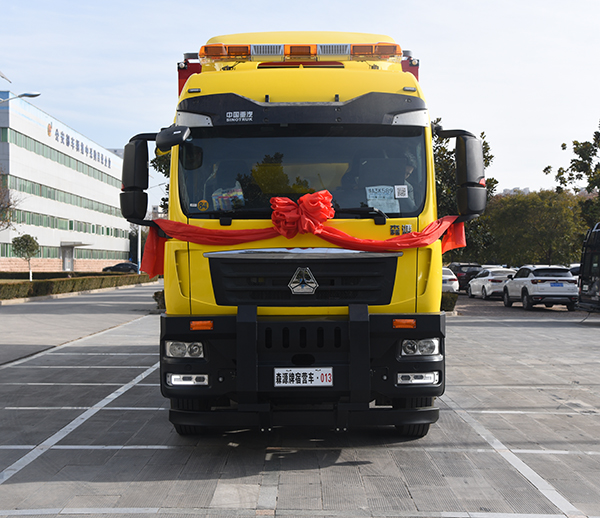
<point x="379" y="217"/>
<point x="225" y="217"/>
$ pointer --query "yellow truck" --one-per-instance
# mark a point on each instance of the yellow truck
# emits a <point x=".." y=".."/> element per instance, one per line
<point x="301" y="255"/>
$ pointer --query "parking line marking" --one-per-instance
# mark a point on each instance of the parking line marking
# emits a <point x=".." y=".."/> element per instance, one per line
<point x="55" y="408"/>
<point x="77" y="422"/>
<point x="542" y="485"/>
<point x="202" y="512"/>
<point x="31" y="367"/>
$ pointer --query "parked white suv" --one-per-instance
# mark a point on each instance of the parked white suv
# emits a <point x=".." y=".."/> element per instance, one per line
<point x="541" y="284"/>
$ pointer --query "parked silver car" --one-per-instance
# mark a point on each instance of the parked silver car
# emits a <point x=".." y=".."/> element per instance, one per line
<point x="541" y="284"/>
<point x="489" y="282"/>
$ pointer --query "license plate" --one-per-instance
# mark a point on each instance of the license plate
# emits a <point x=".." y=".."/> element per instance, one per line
<point x="304" y="377"/>
<point x="556" y="284"/>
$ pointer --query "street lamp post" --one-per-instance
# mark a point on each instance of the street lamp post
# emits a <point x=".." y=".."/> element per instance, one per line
<point x="26" y="94"/>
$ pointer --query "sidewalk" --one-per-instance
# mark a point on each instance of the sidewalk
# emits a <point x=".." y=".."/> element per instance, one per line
<point x="33" y="325"/>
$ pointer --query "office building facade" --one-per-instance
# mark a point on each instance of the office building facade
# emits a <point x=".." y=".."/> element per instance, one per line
<point x="65" y="192"/>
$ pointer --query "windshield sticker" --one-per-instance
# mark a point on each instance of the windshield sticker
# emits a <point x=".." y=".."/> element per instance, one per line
<point x="382" y="197"/>
<point x="401" y="191"/>
<point x="203" y="205"/>
<point x="242" y="116"/>
<point x="228" y="199"/>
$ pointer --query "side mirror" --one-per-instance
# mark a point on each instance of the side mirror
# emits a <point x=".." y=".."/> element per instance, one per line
<point x="172" y="136"/>
<point x="469" y="160"/>
<point x="471" y="194"/>
<point x="135" y="165"/>
<point x="134" y="205"/>
<point x="134" y="201"/>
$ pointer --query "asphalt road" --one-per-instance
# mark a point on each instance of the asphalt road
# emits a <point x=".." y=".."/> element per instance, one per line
<point x="84" y="430"/>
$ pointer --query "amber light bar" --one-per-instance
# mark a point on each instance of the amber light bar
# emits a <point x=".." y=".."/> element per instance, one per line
<point x="404" y="323"/>
<point x="376" y="51"/>
<point x="284" y="52"/>
<point x="201" y="325"/>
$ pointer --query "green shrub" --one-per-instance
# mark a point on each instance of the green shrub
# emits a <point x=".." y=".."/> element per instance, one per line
<point x="15" y="290"/>
<point x="38" y="288"/>
<point x="449" y="301"/>
<point x="159" y="297"/>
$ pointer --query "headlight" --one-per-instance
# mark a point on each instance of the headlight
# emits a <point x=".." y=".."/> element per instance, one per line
<point x="184" y="349"/>
<point x="424" y="347"/>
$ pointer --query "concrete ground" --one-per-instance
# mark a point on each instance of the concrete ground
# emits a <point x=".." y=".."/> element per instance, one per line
<point x="84" y="431"/>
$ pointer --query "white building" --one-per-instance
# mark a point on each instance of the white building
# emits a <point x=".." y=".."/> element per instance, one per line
<point x="66" y="189"/>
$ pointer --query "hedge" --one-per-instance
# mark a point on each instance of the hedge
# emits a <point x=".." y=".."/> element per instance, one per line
<point x="50" y="275"/>
<point x="37" y="288"/>
<point x="449" y="301"/>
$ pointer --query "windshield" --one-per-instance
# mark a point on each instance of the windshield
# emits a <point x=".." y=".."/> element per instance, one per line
<point x="237" y="170"/>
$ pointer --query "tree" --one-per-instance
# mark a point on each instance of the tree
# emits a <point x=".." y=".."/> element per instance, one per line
<point x="26" y="247"/>
<point x="162" y="164"/>
<point x="7" y="202"/>
<point x="479" y="237"/>
<point x="540" y="227"/>
<point x="584" y="167"/>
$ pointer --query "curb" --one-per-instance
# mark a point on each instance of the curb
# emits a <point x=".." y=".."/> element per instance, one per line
<point x="10" y="302"/>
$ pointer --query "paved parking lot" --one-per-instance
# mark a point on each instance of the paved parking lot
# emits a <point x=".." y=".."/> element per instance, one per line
<point x="84" y="430"/>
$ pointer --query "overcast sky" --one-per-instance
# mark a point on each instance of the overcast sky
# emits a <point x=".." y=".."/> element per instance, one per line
<point x="525" y="72"/>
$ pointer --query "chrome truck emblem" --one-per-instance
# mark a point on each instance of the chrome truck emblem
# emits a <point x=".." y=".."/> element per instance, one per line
<point x="303" y="282"/>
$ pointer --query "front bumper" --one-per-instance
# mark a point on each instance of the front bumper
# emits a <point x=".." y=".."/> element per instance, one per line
<point x="243" y="351"/>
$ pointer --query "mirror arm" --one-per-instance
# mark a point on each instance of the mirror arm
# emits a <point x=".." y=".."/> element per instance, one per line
<point x="442" y="133"/>
<point x="143" y="222"/>
<point x="144" y="136"/>
<point x="466" y="217"/>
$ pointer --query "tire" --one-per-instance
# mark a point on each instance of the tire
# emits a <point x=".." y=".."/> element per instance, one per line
<point x="469" y="292"/>
<point x="571" y="306"/>
<point x="506" y="299"/>
<point x="484" y="294"/>
<point x="413" y="431"/>
<point x="190" y="405"/>
<point x="184" y="429"/>
<point x="526" y="300"/>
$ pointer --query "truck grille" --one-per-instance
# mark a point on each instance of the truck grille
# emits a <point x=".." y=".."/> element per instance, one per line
<point x="263" y="279"/>
<point x="303" y="337"/>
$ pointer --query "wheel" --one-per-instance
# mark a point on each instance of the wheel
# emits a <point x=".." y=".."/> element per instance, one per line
<point x="414" y="431"/>
<point x="190" y="405"/>
<point x="506" y="299"/>
<point x="526" y="300"/>
<point x="484" y="294"/>
<point x="469" y="292"/>
<point x="184" y="429"/>
<point x="571" y="306"/>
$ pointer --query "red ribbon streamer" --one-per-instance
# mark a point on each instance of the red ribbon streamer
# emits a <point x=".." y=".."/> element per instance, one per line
<point x="290" y="218"/>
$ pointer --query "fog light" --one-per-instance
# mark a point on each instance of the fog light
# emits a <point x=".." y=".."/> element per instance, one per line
<point x="175" y="380"/>
<point x="418" y="378"/>
<point x="184" y="349"/>
<point x="424" y="347"/>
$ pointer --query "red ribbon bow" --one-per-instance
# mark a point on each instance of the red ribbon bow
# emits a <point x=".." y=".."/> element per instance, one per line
<point x="290" y="218"/>
<point x="307" y="216"/>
